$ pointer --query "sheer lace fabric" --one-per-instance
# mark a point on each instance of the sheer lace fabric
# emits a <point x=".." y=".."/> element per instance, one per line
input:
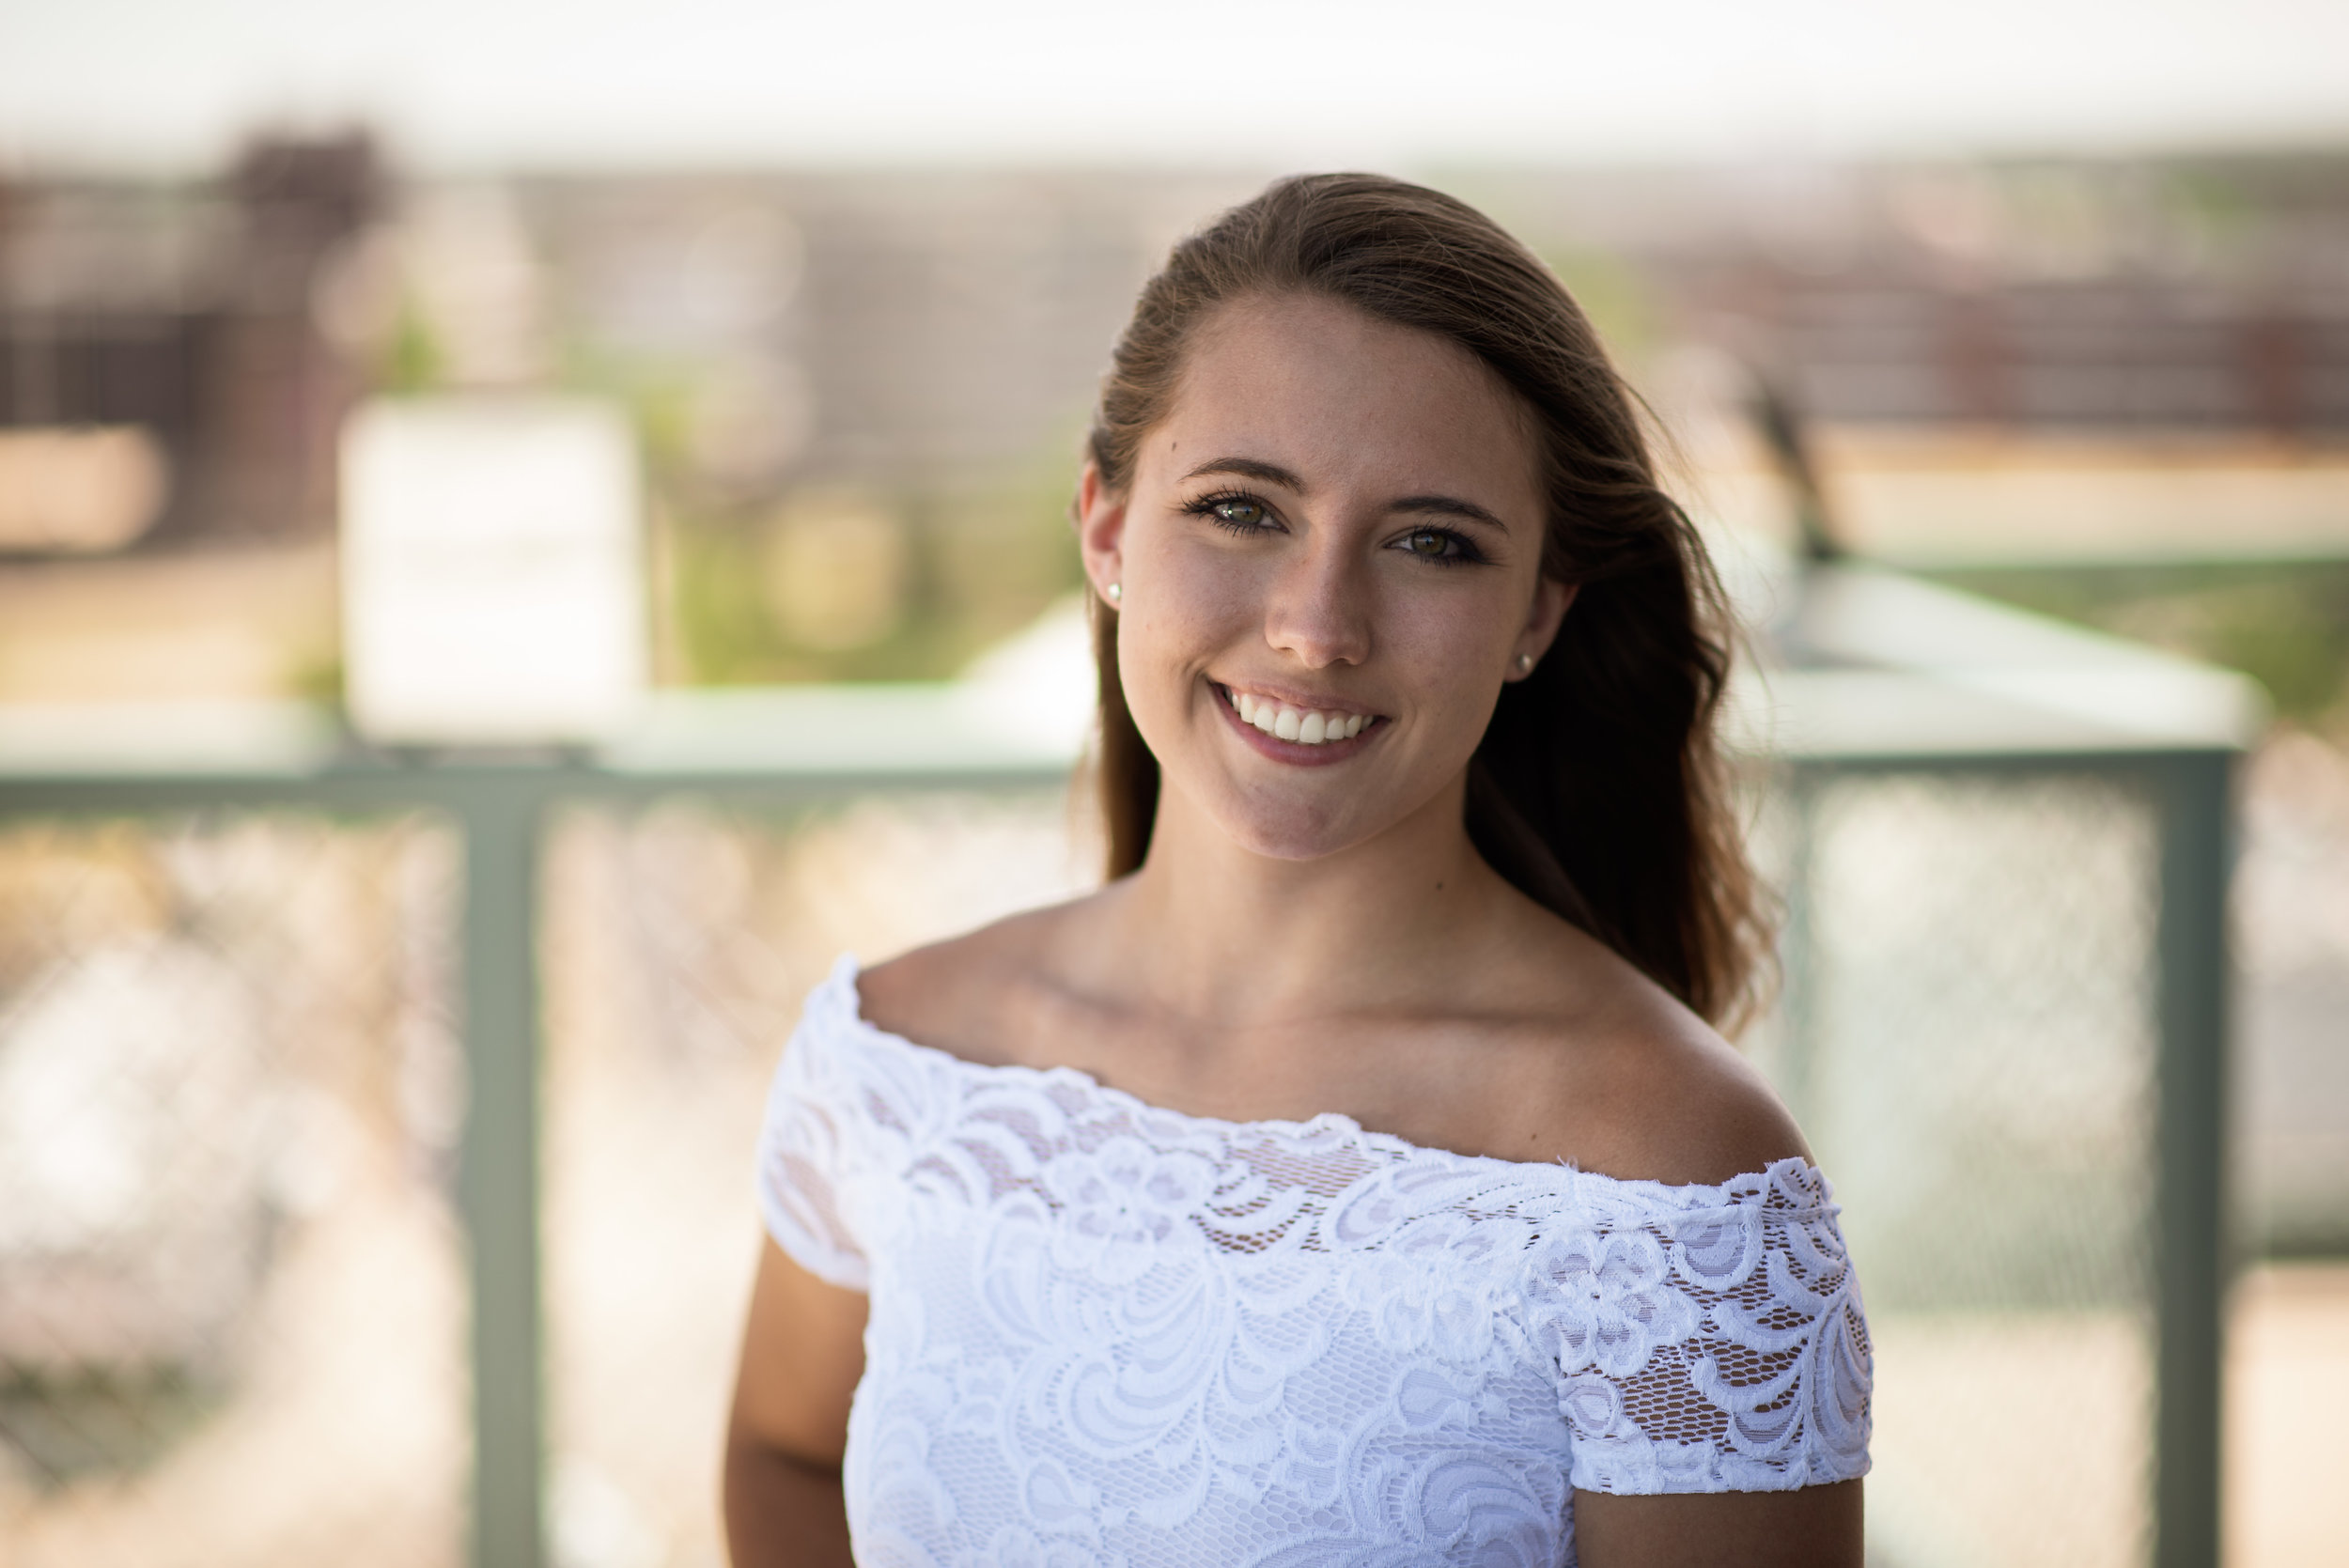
<point x="1102" y="1332"/>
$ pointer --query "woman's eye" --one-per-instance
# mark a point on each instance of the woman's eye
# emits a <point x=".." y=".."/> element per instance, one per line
<point x="1235" y="513"/>
<point x="1433" y="544"/>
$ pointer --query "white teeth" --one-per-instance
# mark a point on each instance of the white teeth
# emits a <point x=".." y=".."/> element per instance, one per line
<point x="1308" y="728"/>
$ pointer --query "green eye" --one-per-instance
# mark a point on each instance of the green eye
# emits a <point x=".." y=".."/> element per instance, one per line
<point x="1432" y="543"/>
<point x="1238" y="514"/>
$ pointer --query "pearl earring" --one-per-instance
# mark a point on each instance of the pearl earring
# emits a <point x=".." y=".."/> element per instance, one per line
<point x="1525" y="663"/>
<point x="1116" y="593"/>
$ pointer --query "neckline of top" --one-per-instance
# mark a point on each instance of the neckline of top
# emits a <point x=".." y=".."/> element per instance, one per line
<point x="1791" y="1170"/>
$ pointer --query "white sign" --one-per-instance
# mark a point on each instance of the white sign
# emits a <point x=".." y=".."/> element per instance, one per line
<point x="492" y="561"/>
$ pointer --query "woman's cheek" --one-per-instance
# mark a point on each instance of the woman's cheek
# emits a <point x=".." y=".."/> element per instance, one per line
<point x="1154" y="666"/>
<point x="1195" y="611"/>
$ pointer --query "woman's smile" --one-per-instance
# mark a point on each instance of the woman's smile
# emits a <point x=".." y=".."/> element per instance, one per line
<point x="1300" y="732"/>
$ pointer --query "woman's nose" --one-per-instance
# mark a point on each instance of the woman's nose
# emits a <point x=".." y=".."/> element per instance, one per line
<point x="1319" y="612"/>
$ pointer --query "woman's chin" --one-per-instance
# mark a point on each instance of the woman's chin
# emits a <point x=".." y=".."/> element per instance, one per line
<point x="1295" y="835"/>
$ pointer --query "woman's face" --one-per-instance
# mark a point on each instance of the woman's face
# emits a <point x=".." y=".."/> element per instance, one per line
<point x="1329" y="562"/>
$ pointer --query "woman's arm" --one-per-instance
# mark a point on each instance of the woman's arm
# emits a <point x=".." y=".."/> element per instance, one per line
<point x="1818" y="1527"/>
<point x="802" y="1352"/>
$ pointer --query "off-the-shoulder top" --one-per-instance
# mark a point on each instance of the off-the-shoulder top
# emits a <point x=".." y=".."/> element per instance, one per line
<point x="1104" y="1332"/>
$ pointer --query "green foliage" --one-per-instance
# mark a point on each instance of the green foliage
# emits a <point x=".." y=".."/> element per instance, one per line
<point x="318" y="678"/>
<point x="2283" y="623"/>
<point x="414" y="361"/>
<point x="722" y="628"/>
<point x="658" y="394"/>
<point x="986" y="551"/>
<point x="985" y="557"/>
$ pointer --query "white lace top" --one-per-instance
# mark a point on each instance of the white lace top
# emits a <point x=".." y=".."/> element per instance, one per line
<point x="1102" y="1332"/>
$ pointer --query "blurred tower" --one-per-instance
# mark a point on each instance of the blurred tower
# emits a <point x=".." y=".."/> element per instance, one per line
<point x="272" y="391"/>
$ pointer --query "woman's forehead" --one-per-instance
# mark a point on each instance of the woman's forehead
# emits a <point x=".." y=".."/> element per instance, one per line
<point x="1340" y="391"/>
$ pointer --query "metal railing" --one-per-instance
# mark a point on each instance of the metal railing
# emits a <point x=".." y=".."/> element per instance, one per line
<point x="810" y="743"/>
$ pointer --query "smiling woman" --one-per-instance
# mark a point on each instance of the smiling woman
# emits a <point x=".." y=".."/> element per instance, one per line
<point x="1595" y="789"/>
<point x="1357" y="1176"/>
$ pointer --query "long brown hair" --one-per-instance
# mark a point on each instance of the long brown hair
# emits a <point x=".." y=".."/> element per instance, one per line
<point x="1598" y="789"/>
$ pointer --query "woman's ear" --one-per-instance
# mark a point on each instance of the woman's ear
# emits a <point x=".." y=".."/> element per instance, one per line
<point x="1551" y="600"/>
<point x="1100" y="531"/>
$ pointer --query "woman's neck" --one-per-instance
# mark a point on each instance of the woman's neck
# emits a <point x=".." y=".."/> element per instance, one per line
<point x="1220" y="934"/>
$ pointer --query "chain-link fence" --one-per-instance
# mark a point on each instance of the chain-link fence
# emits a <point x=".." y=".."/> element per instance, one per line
<point x="1969" y="1034"/>
<point x="2292" y="904"/>
<point x="231" y="1290"/>
<point x="679" y="944"/>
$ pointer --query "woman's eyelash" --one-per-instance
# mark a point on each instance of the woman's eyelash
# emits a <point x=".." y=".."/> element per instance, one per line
<point x="1211" y="507"/>
<point x="1450" y="546"/>
<point x="1453" y="548"/>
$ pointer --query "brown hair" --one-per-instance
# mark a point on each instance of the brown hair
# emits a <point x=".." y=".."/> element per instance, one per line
<point x="1598" y="789"/>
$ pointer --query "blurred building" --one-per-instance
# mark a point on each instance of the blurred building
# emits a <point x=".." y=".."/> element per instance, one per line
<point x="892" y="328"/>
<point x="907" y="329"/>
<point x="161" y="374"/>
<point x="2016" y="363"/>
<point x="2059" y="299"/>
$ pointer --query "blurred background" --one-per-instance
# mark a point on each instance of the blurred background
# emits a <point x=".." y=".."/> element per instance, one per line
<point x="2053" y="299"/>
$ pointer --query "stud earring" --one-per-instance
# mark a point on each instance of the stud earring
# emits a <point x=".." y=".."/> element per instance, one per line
<point x="1116" y="593"/>
<point x="1525" y="663"/>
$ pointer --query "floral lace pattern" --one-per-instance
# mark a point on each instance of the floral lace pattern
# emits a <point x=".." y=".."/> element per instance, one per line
<point x="1102" y="1332"/>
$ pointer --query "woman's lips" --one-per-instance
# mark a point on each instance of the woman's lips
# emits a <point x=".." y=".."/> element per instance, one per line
<point x="1312" y="735"/>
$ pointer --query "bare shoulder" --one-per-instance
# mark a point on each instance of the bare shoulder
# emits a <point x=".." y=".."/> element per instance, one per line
<point x="974" y="995"/>
<point x="1637" y="1086"/>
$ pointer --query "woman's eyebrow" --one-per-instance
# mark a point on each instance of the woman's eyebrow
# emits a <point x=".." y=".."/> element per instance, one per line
<point x="1448" y="505"/>
<point x="1250" y="468"/>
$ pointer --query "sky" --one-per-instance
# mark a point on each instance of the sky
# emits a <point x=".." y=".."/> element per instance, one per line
<point x="173" y="85"/>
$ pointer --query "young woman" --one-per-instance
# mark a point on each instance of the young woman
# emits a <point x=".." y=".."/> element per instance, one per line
<point x="1357" y="1177"/>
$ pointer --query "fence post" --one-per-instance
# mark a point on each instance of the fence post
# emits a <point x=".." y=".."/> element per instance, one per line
<point x="498" y="1188"/>
<point x="1800" y="980"/>
<point x="2191" y="1198"/>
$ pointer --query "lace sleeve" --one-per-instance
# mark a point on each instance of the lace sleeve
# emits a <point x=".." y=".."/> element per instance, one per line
<point x="804" y="1149"/>
<point x="1714" y="1347"/>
